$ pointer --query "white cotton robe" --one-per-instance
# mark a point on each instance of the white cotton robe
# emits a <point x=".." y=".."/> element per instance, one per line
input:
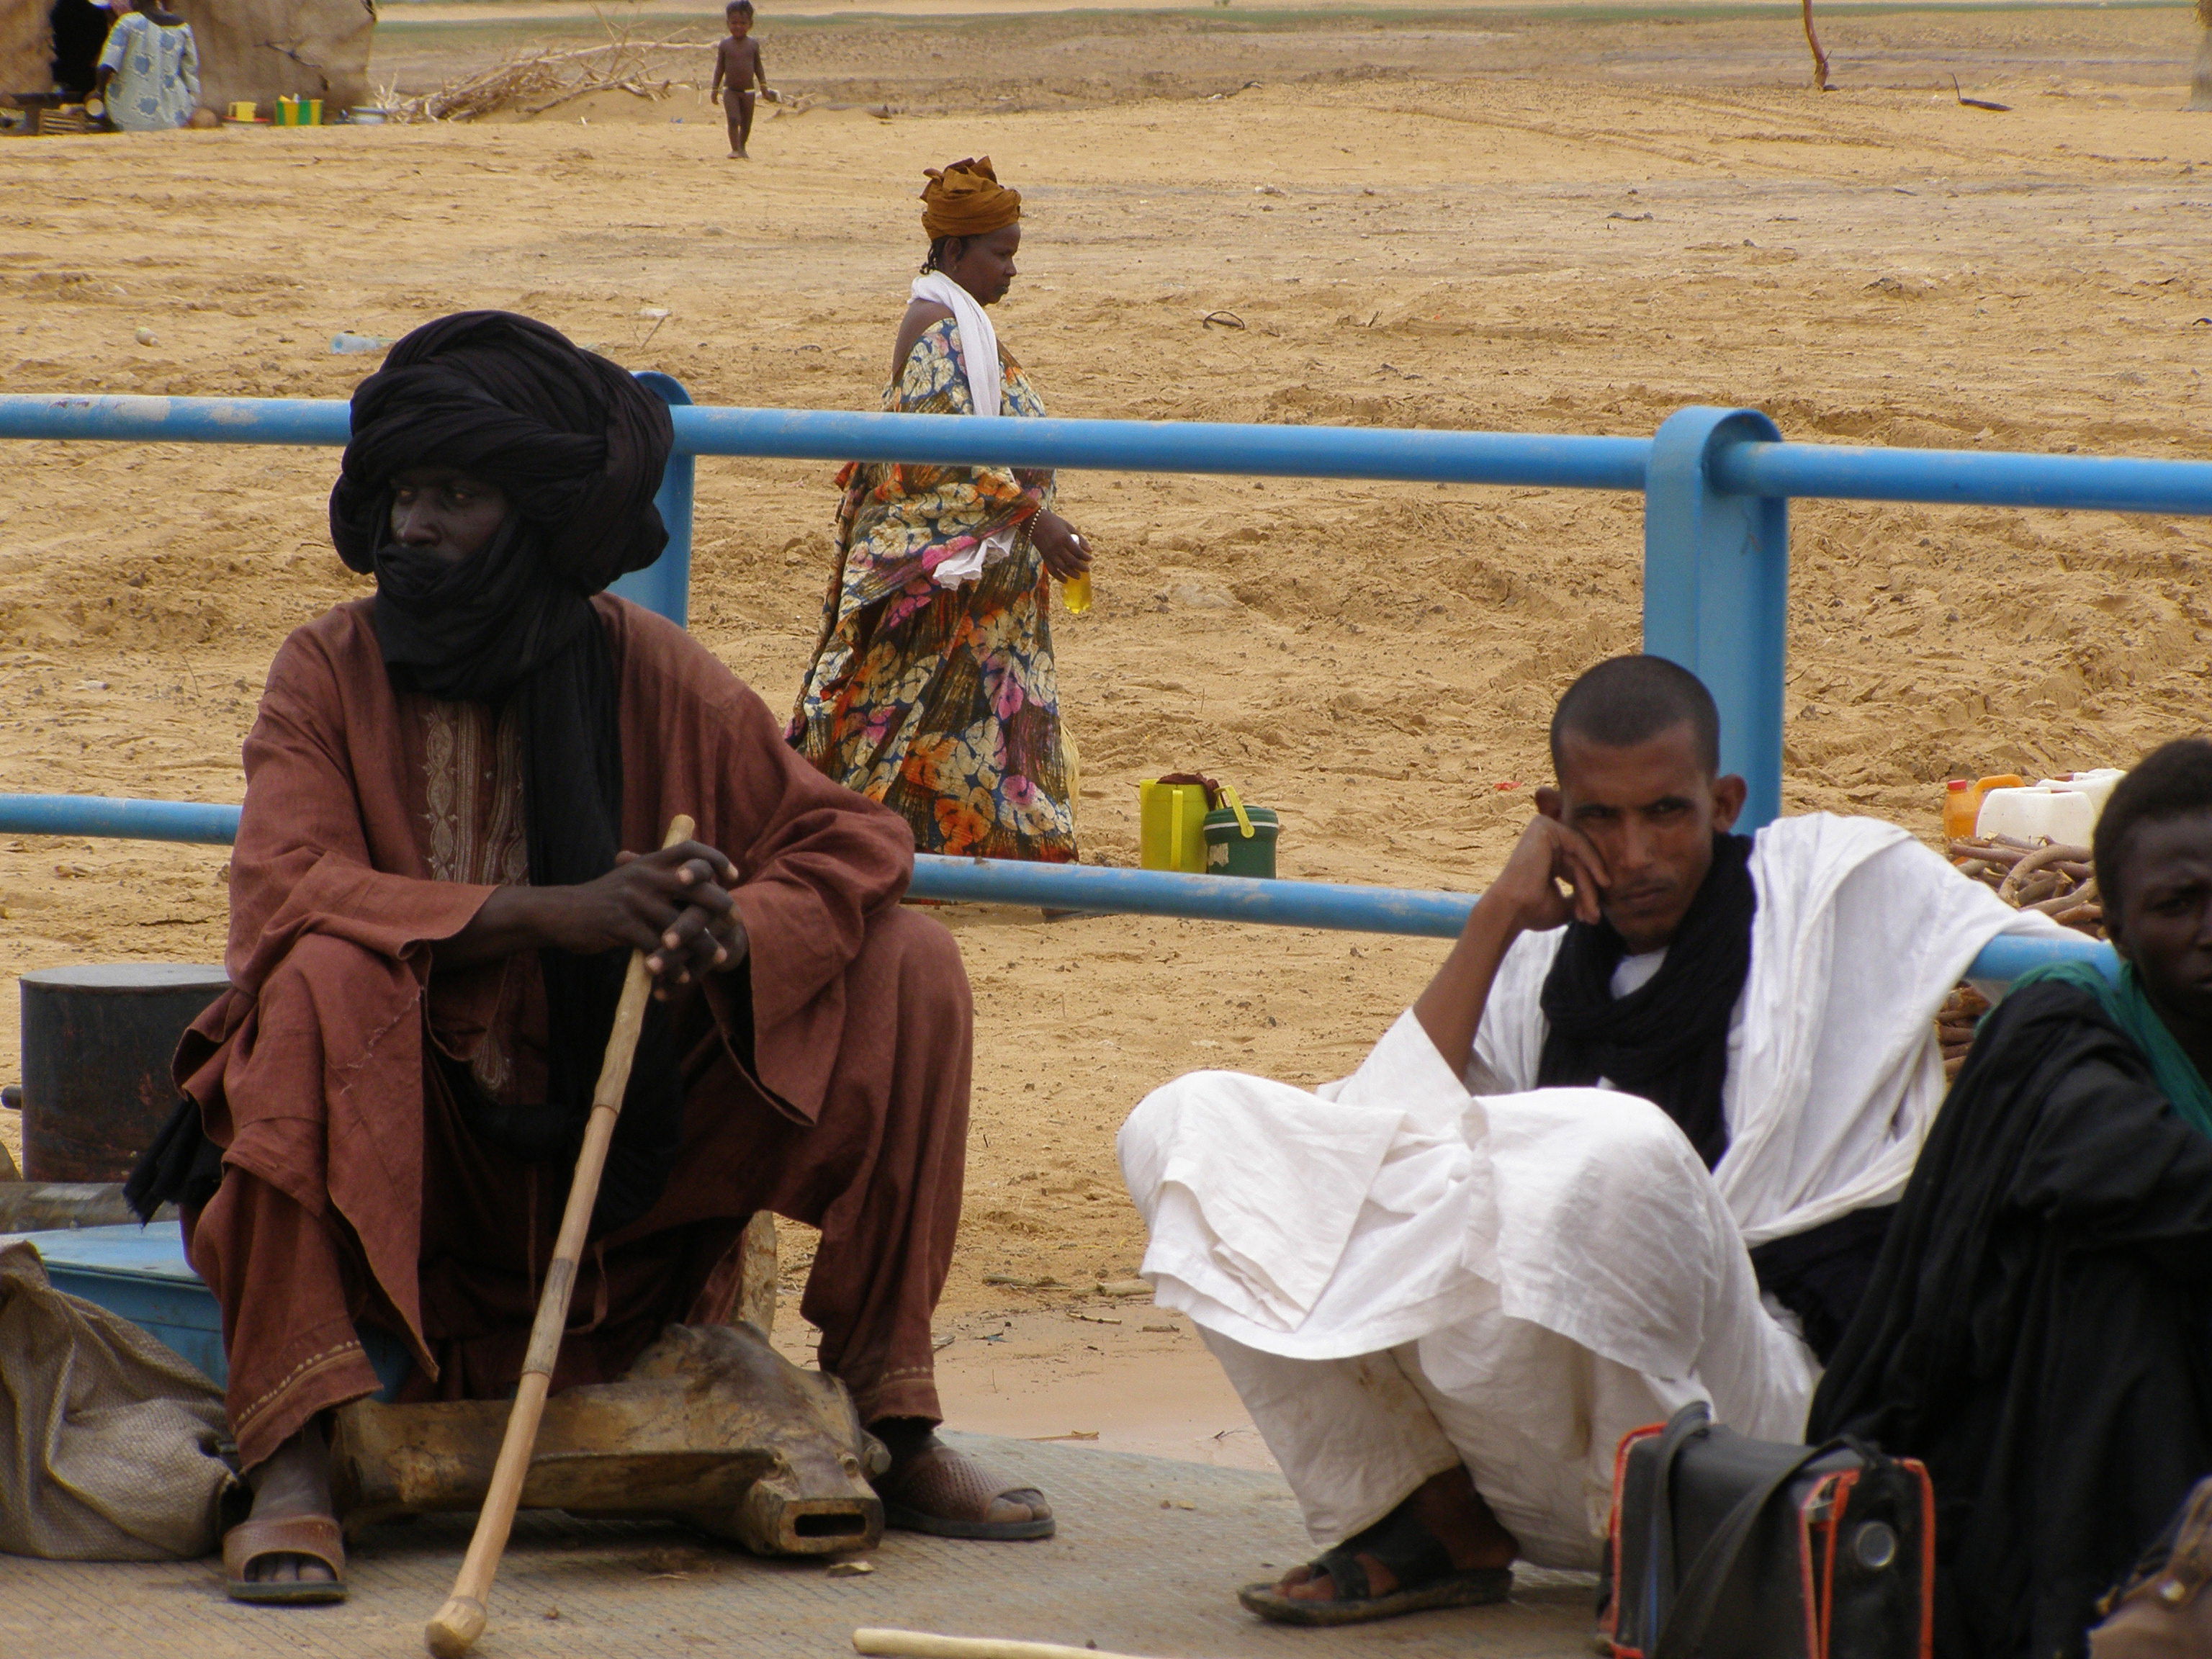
<point x="1407" y="1268"/>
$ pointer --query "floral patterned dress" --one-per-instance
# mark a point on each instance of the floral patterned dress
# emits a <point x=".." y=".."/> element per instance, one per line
<point x="942" y="702"/>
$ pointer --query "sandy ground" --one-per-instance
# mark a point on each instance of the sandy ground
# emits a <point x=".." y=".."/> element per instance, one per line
<point x="1572" y="221"/>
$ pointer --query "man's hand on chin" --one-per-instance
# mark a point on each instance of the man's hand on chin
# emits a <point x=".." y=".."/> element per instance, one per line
<point x="1553" y="877"/>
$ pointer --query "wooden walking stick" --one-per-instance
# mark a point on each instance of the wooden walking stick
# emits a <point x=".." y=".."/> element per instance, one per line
<point x="461" y="1621"/>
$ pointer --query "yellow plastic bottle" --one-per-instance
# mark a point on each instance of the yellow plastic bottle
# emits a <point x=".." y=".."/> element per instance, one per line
<point x="1075" y="594"/>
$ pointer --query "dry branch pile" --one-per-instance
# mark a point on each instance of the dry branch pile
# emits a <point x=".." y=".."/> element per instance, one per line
<point x="534" y="83"/>
<point x="2057" y="880"/>
<point x="1955" y="1025"/>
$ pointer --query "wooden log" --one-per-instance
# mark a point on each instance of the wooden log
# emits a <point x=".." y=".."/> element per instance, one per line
<point x="2035" y="860"/>
<point x="2072" y="899"/>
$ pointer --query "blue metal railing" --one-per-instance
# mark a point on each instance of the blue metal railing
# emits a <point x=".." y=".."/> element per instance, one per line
<point x="1566" y="461"/>
<point x="1088" y="887"/>
<point x="1717" y="484"/>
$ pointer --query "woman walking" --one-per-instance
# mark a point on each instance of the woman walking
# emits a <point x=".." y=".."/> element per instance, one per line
<point x="933" y="688"/>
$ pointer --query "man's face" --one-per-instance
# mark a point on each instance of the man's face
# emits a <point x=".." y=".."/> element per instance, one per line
<point x="985" y="265"/>
<point x="1651" y="810"/>
<point x="446" y="512"/>
<point x="2165" y="921"/>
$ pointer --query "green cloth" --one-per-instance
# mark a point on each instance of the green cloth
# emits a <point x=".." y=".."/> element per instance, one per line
<point x="2127" y="1006"/>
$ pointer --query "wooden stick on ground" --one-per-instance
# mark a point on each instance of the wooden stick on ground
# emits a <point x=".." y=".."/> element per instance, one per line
<point x="920" y="1644"/>
<point x="461" y="1621"/>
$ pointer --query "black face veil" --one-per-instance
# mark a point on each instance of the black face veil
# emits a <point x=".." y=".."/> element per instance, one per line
<point x="577" y="447"/>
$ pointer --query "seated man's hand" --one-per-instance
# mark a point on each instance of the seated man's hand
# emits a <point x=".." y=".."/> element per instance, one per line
<point x="1555" y="876"/>
<point x="673" y="904"/>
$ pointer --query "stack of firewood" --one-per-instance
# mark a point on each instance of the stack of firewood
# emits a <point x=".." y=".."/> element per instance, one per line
<point x="533" y="82"/>
<point x="1955" y="1025"/>
<point x="2044" y="876"/>
<point x="2055" y="879"/>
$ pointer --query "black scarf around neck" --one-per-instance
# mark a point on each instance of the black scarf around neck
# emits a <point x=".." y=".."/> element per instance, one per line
<point x="1667" y="1039"/>
<point x="498" y="628"/>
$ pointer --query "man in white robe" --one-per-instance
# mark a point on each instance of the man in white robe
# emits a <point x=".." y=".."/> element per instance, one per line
<point x="1445" y="1293"/>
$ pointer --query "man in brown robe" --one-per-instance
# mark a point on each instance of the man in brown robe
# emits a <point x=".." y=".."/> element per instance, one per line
<point x="429" y="921"/>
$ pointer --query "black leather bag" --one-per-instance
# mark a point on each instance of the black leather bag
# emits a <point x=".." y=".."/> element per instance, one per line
<point x="1725" y="1547"/>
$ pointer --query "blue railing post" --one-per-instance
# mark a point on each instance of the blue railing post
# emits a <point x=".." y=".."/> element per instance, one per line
<point x="1716" y="589"/>
<point x="666" y="584"/>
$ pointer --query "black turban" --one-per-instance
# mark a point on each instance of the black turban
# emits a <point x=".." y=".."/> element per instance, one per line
<point x="576" y="443"/>
<point x="577" y="447"/>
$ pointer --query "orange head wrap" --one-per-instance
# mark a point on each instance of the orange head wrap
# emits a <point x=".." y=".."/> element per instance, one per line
<point x="967" y="199"/>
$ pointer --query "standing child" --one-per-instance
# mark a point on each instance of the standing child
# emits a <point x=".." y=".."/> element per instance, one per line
<point x="738" y="65"/>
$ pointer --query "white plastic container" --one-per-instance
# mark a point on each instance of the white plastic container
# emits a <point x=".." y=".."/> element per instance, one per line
<point x="2063" y="809"/>
<point x="2096" y="784"/>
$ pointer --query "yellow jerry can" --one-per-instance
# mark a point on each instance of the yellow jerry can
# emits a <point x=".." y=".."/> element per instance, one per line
<point x="1173" y="831"/>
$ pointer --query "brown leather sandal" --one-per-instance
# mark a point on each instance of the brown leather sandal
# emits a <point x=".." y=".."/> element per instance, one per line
<point x="315" y="1536"/>
<point x="941" y="1487"/>
<point x="1424" y="1571"/>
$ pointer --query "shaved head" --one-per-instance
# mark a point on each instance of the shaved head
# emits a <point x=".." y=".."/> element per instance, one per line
<point x="1628" y="701"/>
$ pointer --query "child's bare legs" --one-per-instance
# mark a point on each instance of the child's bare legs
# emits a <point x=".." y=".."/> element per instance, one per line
<point x="738" y="107"/>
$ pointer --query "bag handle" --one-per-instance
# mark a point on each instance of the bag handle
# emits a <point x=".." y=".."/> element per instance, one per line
<point x="1685" y="1628"/>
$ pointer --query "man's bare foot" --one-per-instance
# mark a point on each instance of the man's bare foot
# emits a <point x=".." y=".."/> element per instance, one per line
<point x="1453" y="1512"/>
<point x="295" y="1480"/>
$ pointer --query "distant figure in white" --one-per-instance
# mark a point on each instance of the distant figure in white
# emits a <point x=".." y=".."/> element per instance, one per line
<point x="1637" y="1144"/>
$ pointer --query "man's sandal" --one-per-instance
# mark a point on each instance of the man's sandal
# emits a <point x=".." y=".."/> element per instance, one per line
<point x="1425" y="1576"/>
<point x="939" y="1485"/>
<point x="315" y="1536"/>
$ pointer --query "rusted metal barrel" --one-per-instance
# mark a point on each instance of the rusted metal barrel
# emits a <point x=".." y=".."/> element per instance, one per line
<point x="97" y="1042"/>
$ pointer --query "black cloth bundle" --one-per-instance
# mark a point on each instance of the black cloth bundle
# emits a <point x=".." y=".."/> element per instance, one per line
<point x="1667" y="1039"/>
<point x="577" y="447"/>
<point x="2039" y="1328"/>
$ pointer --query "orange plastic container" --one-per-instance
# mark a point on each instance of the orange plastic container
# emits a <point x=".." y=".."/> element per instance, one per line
<point x="1962" y="802"/>
<point x="1959" y="803"/>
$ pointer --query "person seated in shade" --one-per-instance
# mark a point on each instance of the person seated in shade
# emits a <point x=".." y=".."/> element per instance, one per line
<point x="149" y="69"/>
<point x="2039" y="1328"/>
<point x="456" y="793"/>
<point x="1636" y="1144"/>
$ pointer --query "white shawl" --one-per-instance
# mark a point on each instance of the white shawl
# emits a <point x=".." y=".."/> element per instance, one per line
<point x="979" y="361"/>
<point x="1860" y="934"/>
<point x="979" y="341"/>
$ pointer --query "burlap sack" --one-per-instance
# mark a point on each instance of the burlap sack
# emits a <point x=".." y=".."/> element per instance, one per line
<point x="108" y="1438"/>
